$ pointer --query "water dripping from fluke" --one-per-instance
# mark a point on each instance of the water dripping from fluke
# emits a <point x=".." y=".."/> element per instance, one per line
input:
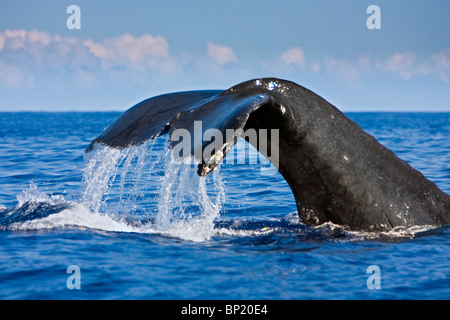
<point x="145" y="183"/>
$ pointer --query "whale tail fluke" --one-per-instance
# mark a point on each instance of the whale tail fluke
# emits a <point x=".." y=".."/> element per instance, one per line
<point x="337" y="172"/>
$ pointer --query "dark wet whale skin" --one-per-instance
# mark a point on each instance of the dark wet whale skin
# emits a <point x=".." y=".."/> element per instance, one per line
<point x="337" y="172"/>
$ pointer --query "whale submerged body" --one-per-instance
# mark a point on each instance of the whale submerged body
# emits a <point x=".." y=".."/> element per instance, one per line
<point x="337" y="172"/>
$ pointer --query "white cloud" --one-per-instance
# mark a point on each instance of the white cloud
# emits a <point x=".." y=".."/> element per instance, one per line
<point x="287" y="63"/>
<point x="14" y="39"/>
<point x="406" y="65"/>
<point x="2" y="40"/>
<point x="21" y="39"/>
<point x="29" y="58"/>
<point x="441" y="61"/>
<point x="315" y="67"/>
<point x="12" y="77"/>
<point x="37" y="55"/>
<point x="221" y="54"/>
<point x="293" y="57"/>
<point x="349" y="70"/>
<point x="138" y="53"/>
<point x="401" y="63"/>
<point x="341" y="68"/>
<point x="36" y="36"/>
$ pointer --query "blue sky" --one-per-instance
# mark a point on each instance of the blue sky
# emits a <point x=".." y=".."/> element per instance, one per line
<point x="127" y="51"/>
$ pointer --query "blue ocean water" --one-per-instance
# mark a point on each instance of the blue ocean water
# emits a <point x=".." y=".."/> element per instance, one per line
<point x="141" y="227"/>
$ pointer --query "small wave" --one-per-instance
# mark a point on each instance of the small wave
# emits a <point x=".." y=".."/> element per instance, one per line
<point x="394" y="234"/>
<point x="76" y="216"/>
<point x="291" y="225"/>
<point x="259" y="227"/>
<point x="69" y="215"/>
<point x="32" y="204"/>
<point x="79" y="216"/>
<point x="286" y="226"/>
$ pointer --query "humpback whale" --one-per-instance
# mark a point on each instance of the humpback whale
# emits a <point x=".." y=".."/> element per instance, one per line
<point x="337" y="172"/>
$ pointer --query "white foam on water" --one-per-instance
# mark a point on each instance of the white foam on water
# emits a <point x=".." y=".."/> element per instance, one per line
<point x="395" y="233"/>
<point x="185" y="207"/>
<point x="245" y="233"/>
<point x="117" y="182"/>
<point x="77" y="216"/>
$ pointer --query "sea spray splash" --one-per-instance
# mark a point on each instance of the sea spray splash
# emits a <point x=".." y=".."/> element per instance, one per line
<point x="115" y="181"/>
<point x="100" y="167"/>
<point x="188" y="204"/>
<point x="145" y="181"/>
<point x="34" y="195"/>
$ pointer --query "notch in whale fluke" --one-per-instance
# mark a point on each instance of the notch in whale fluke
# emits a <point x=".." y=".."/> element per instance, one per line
<point x="337" y="172"/>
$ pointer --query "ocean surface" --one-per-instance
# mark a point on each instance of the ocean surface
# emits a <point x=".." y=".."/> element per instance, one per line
<point x="133" y="224"/>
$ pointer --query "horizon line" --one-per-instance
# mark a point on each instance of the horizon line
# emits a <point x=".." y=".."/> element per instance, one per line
<point x="121" y="111"/>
